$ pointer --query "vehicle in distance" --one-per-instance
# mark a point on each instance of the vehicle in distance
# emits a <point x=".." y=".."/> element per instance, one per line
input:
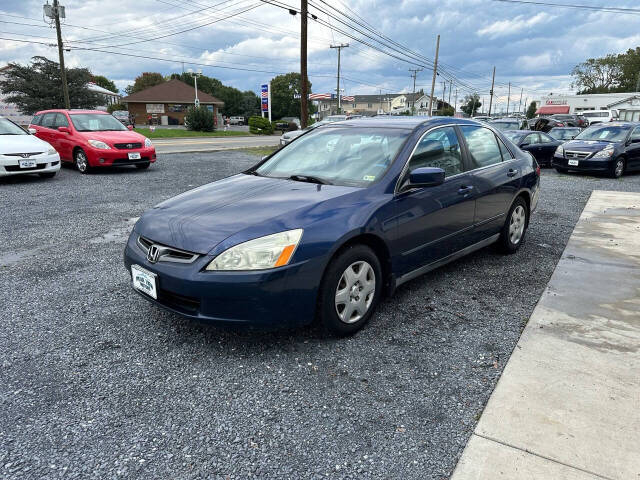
<point x="283" y="123"/>
<point x="571" y="120"/>
<point x="508" y="124"/>
<point x="336" y="118"/>
<point x="91" y="139"/>
<point x="334" y="220"/>
<point x="482" y="118"/>
<point x="21" y="153"/>
<point x="610" y="148"/>
<point x="538" y="144"/>
<point x="236" y="121"/>
<point x="288" y="137"/>
<point x="122" y="116"/>
<point x="599" y="116"/>
<point x="564" y="133"/>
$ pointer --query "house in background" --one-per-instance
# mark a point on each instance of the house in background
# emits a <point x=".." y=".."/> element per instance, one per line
<point x="628" y="108"/>
<point x="167" y="103"/>
<point x="370" y="105"/>
<point x="110" y="98"/>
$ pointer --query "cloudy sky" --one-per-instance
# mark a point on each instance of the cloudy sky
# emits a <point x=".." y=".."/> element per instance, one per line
<point x="246" y="42"/>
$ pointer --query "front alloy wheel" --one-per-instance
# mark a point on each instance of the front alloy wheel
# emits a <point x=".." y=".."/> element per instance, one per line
<point x="618" y="168"/>
<point x="82" y="162"/>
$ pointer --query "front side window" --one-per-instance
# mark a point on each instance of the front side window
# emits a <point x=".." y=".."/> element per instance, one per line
<point x="48" y="120"/>
<point x="532" y="139"/>
<point x="483" y="146"/>
<point x="544" y="138"/>
<point x="61" y="121"/>
<point x="96" y="122"/>
<point x="439" y="148"/>
<point x="7" y="127"/>
<point x="635" y="135"/>
<point x="337" y="155"/>
<point x="36" y="120"/>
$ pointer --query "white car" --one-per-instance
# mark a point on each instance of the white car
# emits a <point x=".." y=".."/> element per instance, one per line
<point x="22" y="153"/>
<point x="599" y="116"/>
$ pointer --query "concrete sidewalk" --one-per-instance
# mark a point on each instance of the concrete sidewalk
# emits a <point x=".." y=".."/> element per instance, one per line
<point x="568" y="403"/>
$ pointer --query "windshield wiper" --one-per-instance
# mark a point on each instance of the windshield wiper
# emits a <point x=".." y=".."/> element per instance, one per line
<point x="310" y="179"/>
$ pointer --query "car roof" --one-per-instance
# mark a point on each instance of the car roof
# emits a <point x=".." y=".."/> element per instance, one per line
<point x="616" y="124"/>
<point x="565" y="128"/>
<point x="70" y="112"/>
<point x="404" y="122"/>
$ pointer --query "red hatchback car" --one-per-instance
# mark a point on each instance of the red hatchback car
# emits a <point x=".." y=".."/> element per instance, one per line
<point x="91" y="138"/>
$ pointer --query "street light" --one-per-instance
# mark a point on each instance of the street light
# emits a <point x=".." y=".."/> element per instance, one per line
<point x="195" y="76"/>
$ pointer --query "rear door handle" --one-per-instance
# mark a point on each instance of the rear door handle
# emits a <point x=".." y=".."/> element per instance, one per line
<point x="512" y="172"/>
<point x="464" y="189"/>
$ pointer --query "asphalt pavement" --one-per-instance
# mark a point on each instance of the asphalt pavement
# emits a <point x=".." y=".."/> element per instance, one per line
<point x="95" y="382"/>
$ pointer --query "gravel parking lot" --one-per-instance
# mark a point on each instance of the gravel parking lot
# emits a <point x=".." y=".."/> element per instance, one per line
<point x="95" y="382"/>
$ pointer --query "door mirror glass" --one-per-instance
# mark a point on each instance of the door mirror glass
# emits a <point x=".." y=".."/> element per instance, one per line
<point x="32" y="131"/>
<point x="426" y="177"/>
<point x="64" y="129"/>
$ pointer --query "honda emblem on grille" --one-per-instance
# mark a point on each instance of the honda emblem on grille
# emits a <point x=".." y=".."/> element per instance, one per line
<point x="153" y="254"/>
<point x="25" y="155"/>
<point x="129" y="145"/>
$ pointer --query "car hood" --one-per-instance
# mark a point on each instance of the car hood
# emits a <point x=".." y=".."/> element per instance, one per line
<point x="122" y="136"/>
<point x="200" y="219"/>
<point x="22" y="144"/>
<point x="585" y="145"/>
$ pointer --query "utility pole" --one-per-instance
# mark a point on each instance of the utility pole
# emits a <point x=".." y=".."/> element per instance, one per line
<point x="304" y="94"/>
<point x="195" y="76"/>
<point x="493" y="79"/>
<point x="508" y="98"/>
<point x="414" y="73"/>
<point x="339" y="47"/>
<point x="450" y="88"/>
<point x="55" y="13"/>
<point x="444" y="92"/>
<point x="455" y="103"/>
<point x="433" y="80"/>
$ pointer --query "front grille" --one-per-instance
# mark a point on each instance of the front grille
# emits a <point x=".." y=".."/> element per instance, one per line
<point x="127" y="146"/>
<point x="577" y="155"/>
<point x="167" y="254"/>
<point x="178" y="302"/>
<point x="23" y="155"/>
<point x="16" y="168"/>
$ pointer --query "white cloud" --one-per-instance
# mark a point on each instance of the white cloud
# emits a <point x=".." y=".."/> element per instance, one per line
<point x="514" y="26"/>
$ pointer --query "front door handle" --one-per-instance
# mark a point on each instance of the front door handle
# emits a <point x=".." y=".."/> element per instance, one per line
<point x="465" y="189"/>
<point x="512" y="172"/>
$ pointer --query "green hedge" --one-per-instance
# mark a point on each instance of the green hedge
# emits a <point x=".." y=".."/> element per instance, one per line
<point x="260" y="126"/>
<point x="199" y="119"/>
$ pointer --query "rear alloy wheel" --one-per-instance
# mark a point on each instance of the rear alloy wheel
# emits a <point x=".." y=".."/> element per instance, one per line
<point x="143" y="166"/>
<point x="515" y="227"/>
<point x="350" y="290"/>
<point x="81" y="161"/>
<point x="617" y="169"/>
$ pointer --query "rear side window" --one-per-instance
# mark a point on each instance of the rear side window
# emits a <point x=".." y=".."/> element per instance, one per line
<point x="506" y="154"/>
<point x="483" y="146"/>
<point x="48" y="120"/>
<point x="532" y="139"/>
<point x="36" y="120"/>
<point x="439" y="148"/>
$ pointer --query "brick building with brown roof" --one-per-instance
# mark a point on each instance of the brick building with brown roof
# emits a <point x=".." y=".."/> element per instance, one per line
<point x="170" y="99"/>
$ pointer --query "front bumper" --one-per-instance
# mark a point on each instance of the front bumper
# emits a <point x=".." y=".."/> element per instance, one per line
<point x="114" y="156"/>
<point x="44" y="164"/>
<point x="585" y="164"/>
<point x="284" y="296"/>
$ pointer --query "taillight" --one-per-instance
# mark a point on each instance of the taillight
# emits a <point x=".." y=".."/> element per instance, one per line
<point x="538" y="170"/>
<point x="560" y="125"/>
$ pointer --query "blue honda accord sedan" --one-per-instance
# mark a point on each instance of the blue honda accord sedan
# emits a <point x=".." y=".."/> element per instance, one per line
<point x="326" y="226"/>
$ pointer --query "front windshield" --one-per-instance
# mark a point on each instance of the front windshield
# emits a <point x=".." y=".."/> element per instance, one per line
<point x="564" y="133"/>
<point x="606" y="133"/>
<point x="7" y="127"/>
<point x="95" y="122"/>
<point x="513" y="136"/>
<point x="595" y="114"/>
<point x="506" y="125"/>
<point x="337" y="155"/>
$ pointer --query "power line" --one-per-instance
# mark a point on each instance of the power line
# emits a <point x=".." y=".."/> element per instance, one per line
<point x="623" y="10"/>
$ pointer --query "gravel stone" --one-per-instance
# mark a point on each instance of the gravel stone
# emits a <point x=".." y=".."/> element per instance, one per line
<point x="95" y="382"/>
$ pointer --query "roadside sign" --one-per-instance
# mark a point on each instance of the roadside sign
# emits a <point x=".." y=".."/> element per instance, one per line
<point x="265" y="99"/>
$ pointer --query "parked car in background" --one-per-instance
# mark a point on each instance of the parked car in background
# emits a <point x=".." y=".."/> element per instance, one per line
<point x="122" y="116"/>
<point x="505" y="124"/>
<point x="236" y="121"/>
<point x="571" y="120"/>
<point x="538" y="144"/>
<point x="611" y="148"/>
<point x="600" y="116"/>
<point x="337" y="118"/>
<point x="91" y="139"/>
<point x="330" y="223"/>
<point x="283" y="123"/>
<point x="482" y="118"/>
<point x="288" y="137"/>
<point x="564" y="133"/>
<point x="22" y="153"/>
<point x="544" y="124"/>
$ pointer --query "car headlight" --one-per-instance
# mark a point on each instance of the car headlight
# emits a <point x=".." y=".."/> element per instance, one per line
<point x="560" y="151"/>
<point x="98" y="144"/>
<point x="606" y="152"/>
<point x="147" y="143"/>
<point x="261" y="253"/>
<point x="51" y="151"/>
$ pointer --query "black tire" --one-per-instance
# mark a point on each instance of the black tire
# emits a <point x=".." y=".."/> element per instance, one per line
<point x="81" y="161"/>
<point x="143" y="166"/>
<point x="328" y="305"/>
<point x="509" y="242"/>
<point x="48" y="174"/>
<point x="617" y="168"/>
<point x="561" y="170"/>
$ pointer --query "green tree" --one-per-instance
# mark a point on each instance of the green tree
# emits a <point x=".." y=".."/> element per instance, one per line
<point x="630" y="70"/>
<point x="531" y="111"/>
<point x="598" y="75"/>
<point x="144" y="81"/>
<point x="38" y="86"/>
<point x="104" y="82"/>
<point x="471" y="104"/>
<point x="116" y="106"/>
<point x="284" y="89"/>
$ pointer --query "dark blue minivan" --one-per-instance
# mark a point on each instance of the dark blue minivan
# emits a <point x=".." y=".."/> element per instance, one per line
<point x="328" y="224"/>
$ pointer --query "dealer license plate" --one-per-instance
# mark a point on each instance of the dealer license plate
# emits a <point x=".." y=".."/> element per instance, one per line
<point x="144" y="281"/>
<point x="134" y="156"/>
<point x="573" y="163"/>
<point x="27" y="163"/>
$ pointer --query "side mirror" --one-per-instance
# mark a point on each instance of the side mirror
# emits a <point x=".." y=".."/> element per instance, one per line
<point x="64" y="129"/>
<point x="130" y="127"/>
<point x="426" y="177"/>
<point x="33" y="131"/>
<point x="522" y="145"/>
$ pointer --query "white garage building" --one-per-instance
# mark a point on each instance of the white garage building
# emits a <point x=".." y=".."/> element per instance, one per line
<point x="561" y="103"/>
